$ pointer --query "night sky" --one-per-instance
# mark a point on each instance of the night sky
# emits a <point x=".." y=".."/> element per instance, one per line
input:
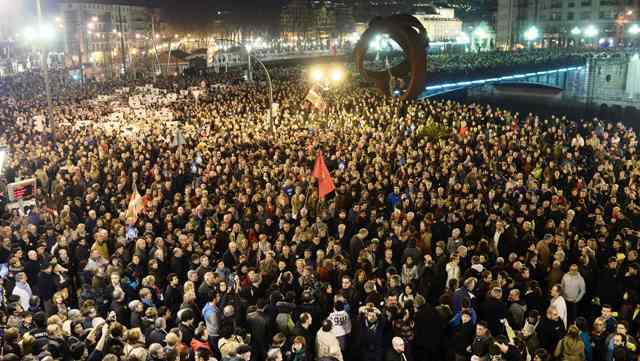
<point x="195" y="9"/>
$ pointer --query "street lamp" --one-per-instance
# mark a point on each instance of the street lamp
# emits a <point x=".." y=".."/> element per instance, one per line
<point x="531" y="35"/>
<point x="337" y="74"/>
<point x="266" y="71"/>
<point x="591" y="31"/>
<point x="576" y="31"/>
<point x="317" y="75"/>
<point x="41" y="36"/>
<point x="479" y="33"/>
<point x="634" y="29"/>
<point x="463" y="38"/>
<point x="324" y="76"/>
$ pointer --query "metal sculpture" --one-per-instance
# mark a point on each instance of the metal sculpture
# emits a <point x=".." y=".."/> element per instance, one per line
<point x="409" y="33"/>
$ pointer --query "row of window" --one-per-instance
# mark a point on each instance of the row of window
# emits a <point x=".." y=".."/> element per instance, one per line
<point x="585" y="3"/>
<point x="585" y="15"/>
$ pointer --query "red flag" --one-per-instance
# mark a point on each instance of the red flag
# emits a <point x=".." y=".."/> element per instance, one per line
<point x="321" y="172"/>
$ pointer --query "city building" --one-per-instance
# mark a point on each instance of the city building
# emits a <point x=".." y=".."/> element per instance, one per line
<point x="105" y="32"/>
<point x="440" y="23"/>
<point x="564" y="22"/>
<point x="308" y="23"/>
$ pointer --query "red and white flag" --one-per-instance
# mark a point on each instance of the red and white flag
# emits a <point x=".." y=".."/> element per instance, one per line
<point x="136" y="204"/>
<point x="316" y="99"/>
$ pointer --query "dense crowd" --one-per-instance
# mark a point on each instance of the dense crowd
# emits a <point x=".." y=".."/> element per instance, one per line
<point x="454" y="232"/>
<point x="451" y="66"/>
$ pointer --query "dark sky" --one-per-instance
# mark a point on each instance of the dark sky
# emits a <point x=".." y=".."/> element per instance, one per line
<point x="195" y="11"/>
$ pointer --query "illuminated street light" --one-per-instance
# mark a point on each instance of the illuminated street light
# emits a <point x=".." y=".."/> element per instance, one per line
<point x="337" y="74"/>
<point x="317" y="74"/>
<point x="44" y="32"/>
<point x="634" y="29"/>
<point x="591" y="31"/>
<point x="376" y="43"/>
<point x="576" y="31"/>
<point x="463" y="38"/>
<point x="480" y="32"/>
<point x="532" y="34"/>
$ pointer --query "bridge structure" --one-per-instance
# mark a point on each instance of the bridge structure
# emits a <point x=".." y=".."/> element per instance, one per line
<point x="555" y="78"/>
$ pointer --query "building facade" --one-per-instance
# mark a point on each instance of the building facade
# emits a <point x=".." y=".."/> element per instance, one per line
<point x="312" y="23"/>
<point x="565" y="22"/>
<point x="105" y="32"/>
<point x="441" y="24"/>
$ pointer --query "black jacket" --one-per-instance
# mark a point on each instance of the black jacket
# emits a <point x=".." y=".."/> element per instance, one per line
<point x="550" y="333"/>
<point x="429" y="328"/>
<point x="258" y="323"/>
<point x="368" y="340"/>
<point x="463" y="337"/>
<point x="393" y="355"/>
<point x="493" y="311"/>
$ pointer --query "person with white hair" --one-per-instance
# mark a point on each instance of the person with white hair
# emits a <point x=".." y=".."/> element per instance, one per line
<point x="398" y="351"/>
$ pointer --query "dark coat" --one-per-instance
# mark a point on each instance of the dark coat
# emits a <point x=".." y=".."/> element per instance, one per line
<point x="393" y="355"/>
<point x="429" y="328"/>
<point x="368" y="340"/>
<point x="463" y="337"/>
<point x="258" y="323"/>
<point x="550" y="333"/>
<point x="493" y="311"/>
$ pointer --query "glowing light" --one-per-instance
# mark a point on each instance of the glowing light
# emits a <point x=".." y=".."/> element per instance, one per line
<point x="463" y="38"/>
<point x="337" y="74"/>
<point x="317" y="74"/>
<point x="591" y="31"/>
<point x="634" y="29"/>
<point x="481" y="33"/>
<point x="576" y="31"/>
<point x="532" y="34"/>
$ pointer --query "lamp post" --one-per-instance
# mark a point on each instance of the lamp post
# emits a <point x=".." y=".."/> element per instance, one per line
<point x="575" y="32"/>
<point x="247" y="49"/>
<point x="634" y="31"/>
<point x="324" y="76"/>
<point x="531" y="35"/>
<point x="591" y="32"/>
<point x="45" y="70"/>
<point x="481" y="34"/>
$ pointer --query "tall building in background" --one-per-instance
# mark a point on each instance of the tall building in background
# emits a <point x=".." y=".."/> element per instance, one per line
<point x="440" y="23"/>
<point x="305" y="22"/>
<point x="511" y="22"/>
<point x="565" y="22"/>
<point x="105" y="32"/>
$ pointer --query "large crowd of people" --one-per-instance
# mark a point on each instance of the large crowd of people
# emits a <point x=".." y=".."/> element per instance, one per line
<point x="455" y="232"/>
